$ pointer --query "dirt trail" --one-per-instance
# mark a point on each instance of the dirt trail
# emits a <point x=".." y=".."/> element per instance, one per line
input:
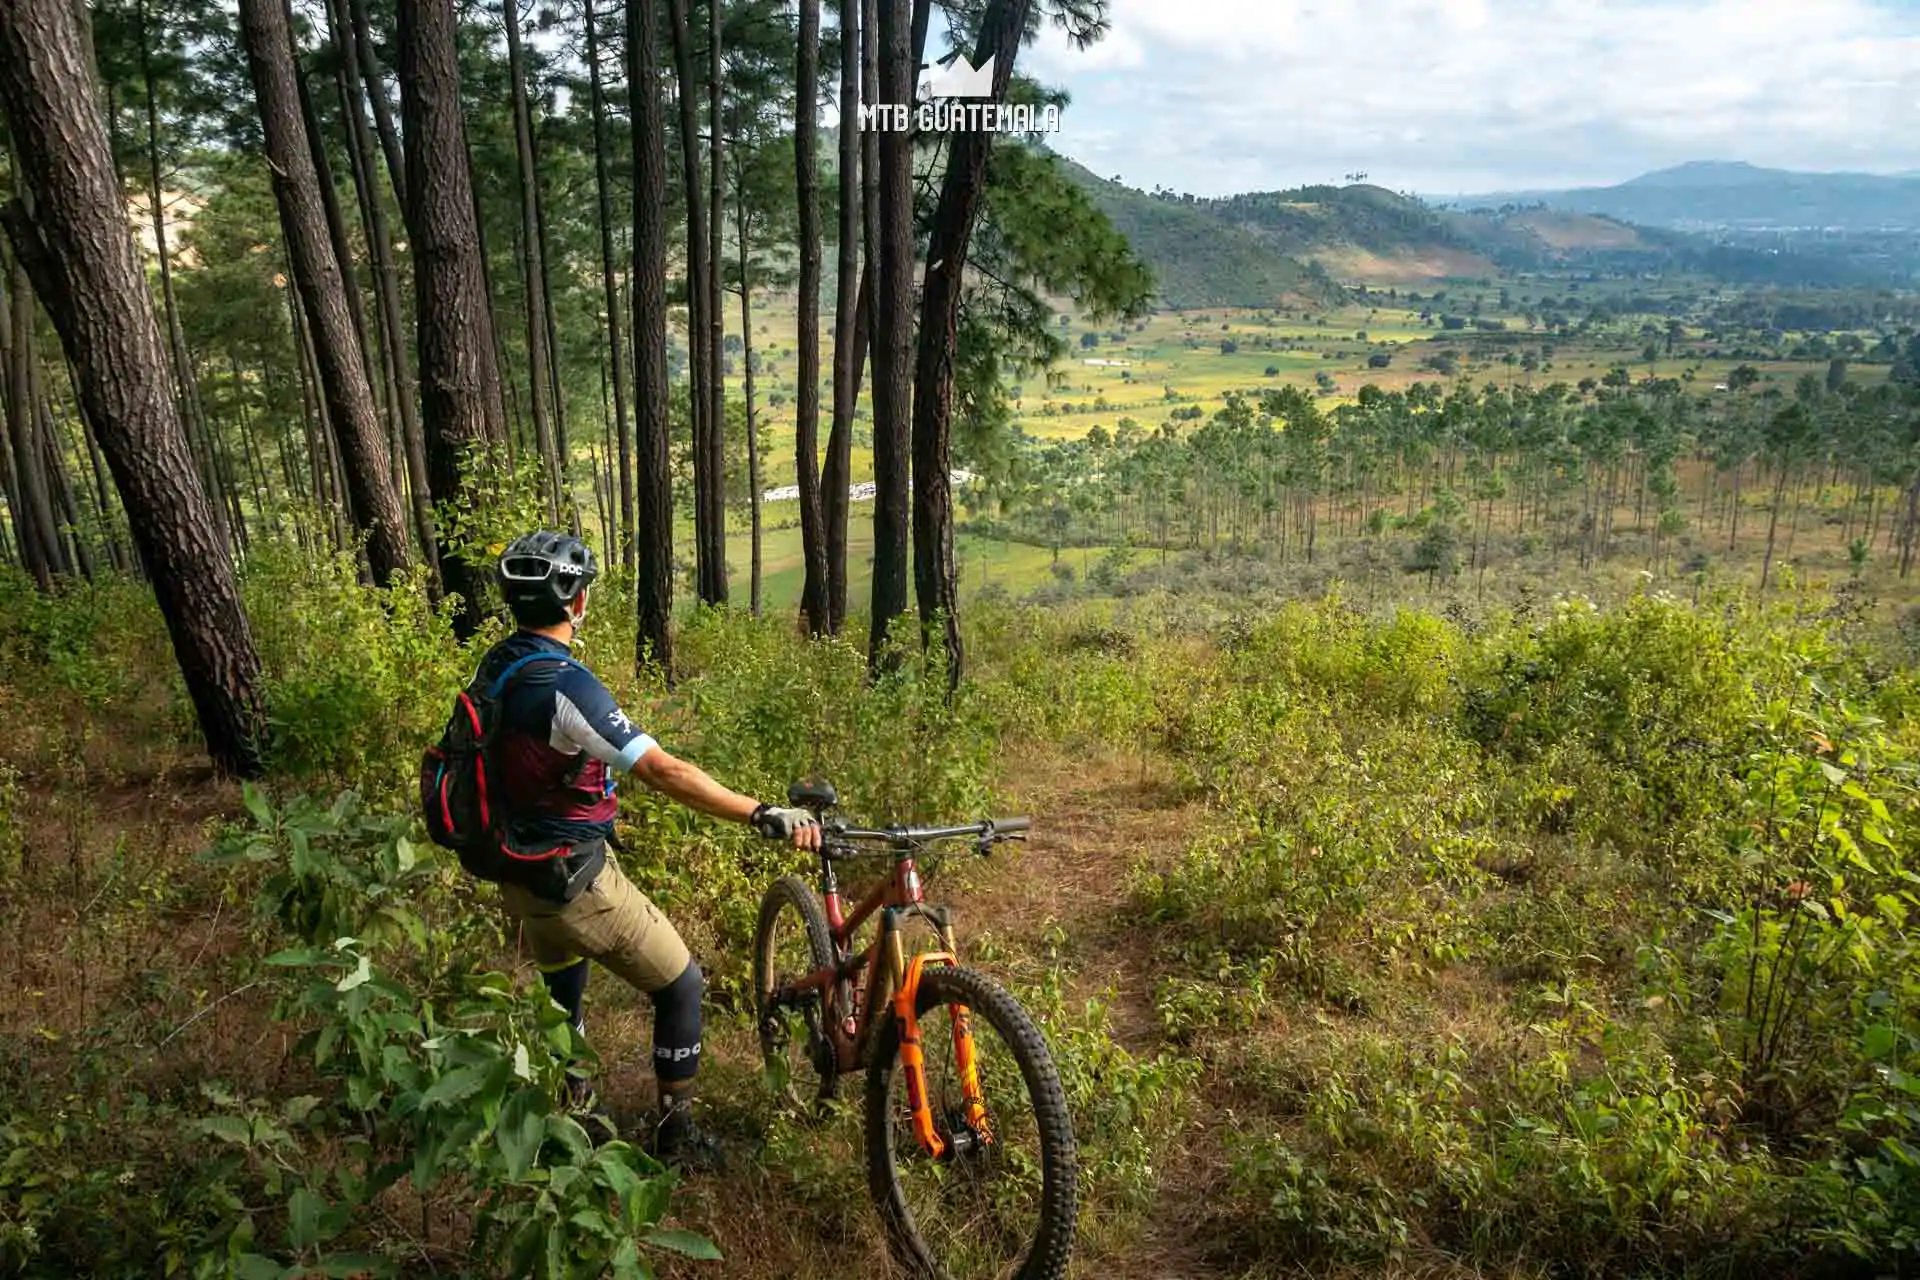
<point x="1094" y="822"/>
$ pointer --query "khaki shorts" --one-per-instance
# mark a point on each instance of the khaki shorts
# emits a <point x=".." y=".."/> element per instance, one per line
<point x="611" y="921"/>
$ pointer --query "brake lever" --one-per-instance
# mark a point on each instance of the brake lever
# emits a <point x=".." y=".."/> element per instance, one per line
<point x="984" y="845"/>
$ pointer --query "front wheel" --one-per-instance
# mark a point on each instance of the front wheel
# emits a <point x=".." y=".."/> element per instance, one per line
<point x="1000" y="1200"/>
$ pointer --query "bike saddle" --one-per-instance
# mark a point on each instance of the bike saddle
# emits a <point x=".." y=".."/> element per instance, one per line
<point x="812" y="795"/>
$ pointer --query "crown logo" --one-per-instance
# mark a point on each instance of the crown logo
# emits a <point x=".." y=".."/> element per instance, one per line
<point x="961" y="79"/>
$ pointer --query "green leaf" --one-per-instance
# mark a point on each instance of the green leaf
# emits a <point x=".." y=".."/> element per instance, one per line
<point x="257" y="804"/>
<point x="457" y="1085"/>
<point x="565" y="1130"/>
<point x="303" y="1218"/>
<point x="1878" y="1040"/>
<point x="628" y="1264"/>
<point x="302" y="860"/>
<point x="594" y="1222"/>
<point x="298" y="1109"/>
<point x="404" y="857"/>
<point x="296" y="957"/>
<point x="645" y="1198"/>
<point x="256" y="1266"/>
<point x="228" y="1129"/>
<point x="522" y="1129"/>
<point x="687" y="1243"/>
<point x="1835" y="774"/>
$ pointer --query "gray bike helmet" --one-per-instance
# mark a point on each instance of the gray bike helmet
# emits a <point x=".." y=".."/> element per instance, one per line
<point x="540" y="574"/>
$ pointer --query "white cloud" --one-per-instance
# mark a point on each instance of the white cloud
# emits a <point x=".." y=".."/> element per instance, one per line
<point x="1450" y="95"/>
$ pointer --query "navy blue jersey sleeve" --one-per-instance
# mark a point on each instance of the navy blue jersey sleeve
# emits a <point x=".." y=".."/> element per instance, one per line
<point x="586" y="716"/>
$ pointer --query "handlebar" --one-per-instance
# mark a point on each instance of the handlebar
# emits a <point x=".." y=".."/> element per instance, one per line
<point x="840" y="838"/>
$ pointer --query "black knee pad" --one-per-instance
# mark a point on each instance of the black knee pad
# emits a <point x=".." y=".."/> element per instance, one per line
<point x="676" y="1025"/>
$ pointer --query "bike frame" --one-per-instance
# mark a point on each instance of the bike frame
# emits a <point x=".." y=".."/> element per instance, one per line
<point x="852" y="988"/>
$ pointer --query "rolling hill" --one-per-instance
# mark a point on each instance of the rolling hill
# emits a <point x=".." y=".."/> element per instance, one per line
<point x="1265" y="248"/>
<point x="1199" y="259"/>
<point x="1716" y="194"/>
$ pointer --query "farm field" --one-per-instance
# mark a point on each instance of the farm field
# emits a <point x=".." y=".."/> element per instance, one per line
<point x="1173" y="360"/>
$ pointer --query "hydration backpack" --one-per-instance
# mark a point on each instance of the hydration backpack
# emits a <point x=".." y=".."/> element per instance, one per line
<point x="457" y="793"/>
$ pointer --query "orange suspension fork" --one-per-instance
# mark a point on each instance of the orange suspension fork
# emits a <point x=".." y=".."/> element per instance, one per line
<point x="913" y="1062"/>
<point x="974" y="1096"/>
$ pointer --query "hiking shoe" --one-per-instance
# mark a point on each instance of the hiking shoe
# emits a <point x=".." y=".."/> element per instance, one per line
<point x="676" y="1140"/>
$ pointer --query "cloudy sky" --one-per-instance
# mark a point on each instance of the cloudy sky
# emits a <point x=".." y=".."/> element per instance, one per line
<point x="1450" y="96"/>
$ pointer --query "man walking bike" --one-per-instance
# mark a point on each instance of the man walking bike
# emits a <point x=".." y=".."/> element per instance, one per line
<point x="557" y="743"/>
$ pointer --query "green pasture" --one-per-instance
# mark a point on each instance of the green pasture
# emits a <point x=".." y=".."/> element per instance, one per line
<point x="1173" y="360"/>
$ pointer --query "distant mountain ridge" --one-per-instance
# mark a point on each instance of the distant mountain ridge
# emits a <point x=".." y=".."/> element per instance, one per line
<point x="1734" y="195"/>
<point x="1298" y="246"/>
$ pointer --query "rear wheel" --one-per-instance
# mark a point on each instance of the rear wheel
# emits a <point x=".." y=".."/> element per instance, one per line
<point x="791" y="941"/>
<point x="1001" y="1201"/>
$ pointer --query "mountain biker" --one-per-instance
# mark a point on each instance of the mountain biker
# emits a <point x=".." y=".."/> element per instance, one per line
<point x="561" y="741"/>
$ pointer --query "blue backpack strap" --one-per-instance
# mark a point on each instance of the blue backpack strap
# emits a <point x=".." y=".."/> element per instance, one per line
<point x="513" y="668"/>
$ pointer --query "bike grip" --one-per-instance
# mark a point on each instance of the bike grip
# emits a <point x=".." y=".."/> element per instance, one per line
<point x="1011" y="824"/>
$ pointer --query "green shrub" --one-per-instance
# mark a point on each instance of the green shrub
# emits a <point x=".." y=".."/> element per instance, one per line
<point x="359" y="681"/>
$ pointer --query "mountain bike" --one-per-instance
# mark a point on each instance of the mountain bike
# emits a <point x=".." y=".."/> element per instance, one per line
<point x="970" y="1151"/>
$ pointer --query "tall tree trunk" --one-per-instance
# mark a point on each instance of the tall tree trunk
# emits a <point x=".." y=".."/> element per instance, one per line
<point x="893" y="334"/>
<point x="380" y="363"/>
<point x="324" y="287"/>
<point x="603" y="187"/>
<point x="935" y="584"/>
<point x="1773" y="520"/>
<point x="653" y="474"/>
<point x="555" y="388"/>
<point x="849" y="356"/>
<point x="806" y="445"/>
<point x="109" y="522"/>
<point x="185" y="389"/>
<point x="376" y="86"/>
<point x="39" y="531"/>
<point x="709" y="486"/>
<point x="250" y="450"/>
<point x="74" y="244"/>
<point x="459" y="379"/>
<point x="87" y="482"/>
<point x="604" y="483"/>
<point x="716" y="300"/>
<point x="79" y="556"/>
<point x="24" y="542"/>
<point x="539" y="376"/>
<point x="386" y="278"/>
<point x="313" y="139"/>
<point x="743" y="226"/>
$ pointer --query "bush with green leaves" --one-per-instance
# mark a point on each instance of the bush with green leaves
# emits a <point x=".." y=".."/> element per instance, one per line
<point x="444" y="1073"/>
<point x="89" y="646"/>
<point x="358" y="680"/>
